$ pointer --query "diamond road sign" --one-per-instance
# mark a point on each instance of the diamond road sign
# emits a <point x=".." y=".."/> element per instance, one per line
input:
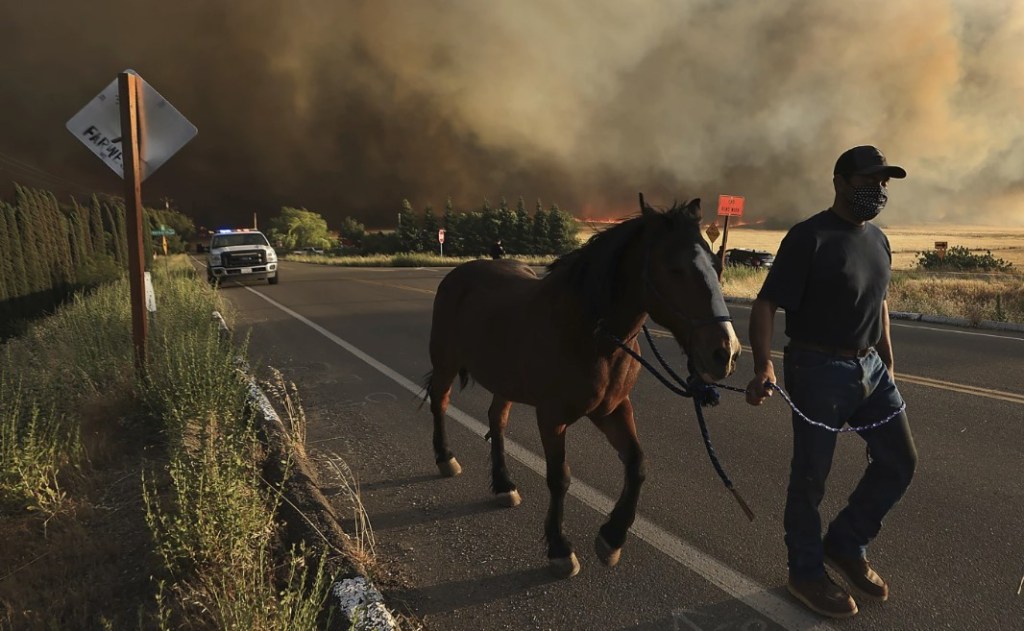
<point x="164" y="129"/>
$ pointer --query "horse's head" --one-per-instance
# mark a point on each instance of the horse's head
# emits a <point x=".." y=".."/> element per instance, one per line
<point x="682" y="292"/>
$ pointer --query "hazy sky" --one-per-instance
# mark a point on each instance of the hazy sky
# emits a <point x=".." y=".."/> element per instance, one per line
<point x="346" y="107"/>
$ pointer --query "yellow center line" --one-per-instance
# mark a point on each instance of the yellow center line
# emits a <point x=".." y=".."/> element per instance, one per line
<point x="988" y="393"/>
<point x="966" y="389"/>
<point x="392" y="285"/>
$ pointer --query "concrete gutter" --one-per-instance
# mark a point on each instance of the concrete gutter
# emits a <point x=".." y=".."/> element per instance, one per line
<point x="309" y="517"/>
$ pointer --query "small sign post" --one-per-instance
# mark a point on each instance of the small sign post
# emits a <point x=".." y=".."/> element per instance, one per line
<point x="728" y="206"/>
<point x="150" y="294"/>
<point x="128" y="93"/>
<point x="134" y="131"/>
<point x="440" y="239"/>
<point x="940" y="249"/>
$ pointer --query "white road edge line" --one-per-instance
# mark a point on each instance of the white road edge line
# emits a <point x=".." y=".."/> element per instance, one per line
<point x="715" y="572"/>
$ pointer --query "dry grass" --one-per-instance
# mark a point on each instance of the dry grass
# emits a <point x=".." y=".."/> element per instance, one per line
<point x="998" y="297"/>
<point x="138" y="504"/>
<point x="976" y="297"/>
<point x="907" y="241"/>
<point x="742" y="282"/>
<point x="87" y="565"/>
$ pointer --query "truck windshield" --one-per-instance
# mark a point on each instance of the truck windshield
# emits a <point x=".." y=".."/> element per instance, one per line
<point x="246" y="238"/>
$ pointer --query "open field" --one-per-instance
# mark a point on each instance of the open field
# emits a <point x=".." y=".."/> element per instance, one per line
<point x="907" y="241"/>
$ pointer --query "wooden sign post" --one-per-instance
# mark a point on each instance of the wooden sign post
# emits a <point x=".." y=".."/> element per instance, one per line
<point x="728" y="206"/>
<point x="128" y="93"/>
<point x="133" y="130"/>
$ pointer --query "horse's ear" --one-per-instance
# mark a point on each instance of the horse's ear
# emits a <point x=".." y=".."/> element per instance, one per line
<point x="692" y="209"/>
<point x="645" y="210"/>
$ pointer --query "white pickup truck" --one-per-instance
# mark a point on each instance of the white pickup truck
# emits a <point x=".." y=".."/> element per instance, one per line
<point x="241" y="254"/>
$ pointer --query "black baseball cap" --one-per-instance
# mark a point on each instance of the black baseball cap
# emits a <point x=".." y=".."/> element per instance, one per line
<point x="866" y="160"/>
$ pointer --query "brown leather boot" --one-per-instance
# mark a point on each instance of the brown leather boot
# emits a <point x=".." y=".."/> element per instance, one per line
<point x="823" y="596"/>
<point x="859" y="576"/>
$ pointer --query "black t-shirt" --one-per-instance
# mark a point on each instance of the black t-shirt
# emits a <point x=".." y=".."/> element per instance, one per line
<point x="831" y="277"/>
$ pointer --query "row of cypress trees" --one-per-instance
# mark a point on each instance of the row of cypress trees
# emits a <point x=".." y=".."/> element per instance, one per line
<point x="50" y="250"/>
<point x="471" y="233"/>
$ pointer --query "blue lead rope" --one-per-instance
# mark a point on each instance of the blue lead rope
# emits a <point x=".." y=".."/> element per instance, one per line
<point x="702" y="394"/>
<point x="837" y="430"/>
<point x="705" y="394"/>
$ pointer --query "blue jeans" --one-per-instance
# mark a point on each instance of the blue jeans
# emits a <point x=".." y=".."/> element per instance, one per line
<point x="837" y="391"/>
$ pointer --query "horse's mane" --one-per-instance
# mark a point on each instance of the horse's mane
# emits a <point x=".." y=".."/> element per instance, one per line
<point x="590" y="269"/>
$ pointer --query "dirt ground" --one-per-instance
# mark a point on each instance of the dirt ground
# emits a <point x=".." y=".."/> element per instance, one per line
<point x="91" y="566"/>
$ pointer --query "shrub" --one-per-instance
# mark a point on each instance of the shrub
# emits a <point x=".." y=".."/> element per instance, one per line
<point x="960" y="259"/>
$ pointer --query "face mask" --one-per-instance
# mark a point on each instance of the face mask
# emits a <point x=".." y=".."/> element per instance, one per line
<point x="867" y="201"/>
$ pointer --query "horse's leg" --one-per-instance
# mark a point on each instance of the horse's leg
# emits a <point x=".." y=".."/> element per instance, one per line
<point x="501" y="483"/>
<point x="620" y="429"/>
<point x="440" y="390"/>
<point x="562" y="559"/>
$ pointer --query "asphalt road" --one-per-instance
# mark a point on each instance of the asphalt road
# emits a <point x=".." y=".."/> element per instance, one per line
<point x="355" y="343"/>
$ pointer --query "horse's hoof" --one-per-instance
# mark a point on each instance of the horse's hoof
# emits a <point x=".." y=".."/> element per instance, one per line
<point x="450" y="468"/>
<point x="509" y="499"/>
<point x="564" y="567"/>
<point x="608" y="555"/>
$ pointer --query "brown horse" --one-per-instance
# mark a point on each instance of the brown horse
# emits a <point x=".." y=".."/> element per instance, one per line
<point x="550" y="342"/>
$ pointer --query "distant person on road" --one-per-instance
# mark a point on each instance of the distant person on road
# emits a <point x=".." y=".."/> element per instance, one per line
<point x="831" y="276"/>
<point x="497" y="251"/>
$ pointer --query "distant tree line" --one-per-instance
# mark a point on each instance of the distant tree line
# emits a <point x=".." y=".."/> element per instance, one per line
<point x="471" y="233"/>
<point x="49" y="250"/>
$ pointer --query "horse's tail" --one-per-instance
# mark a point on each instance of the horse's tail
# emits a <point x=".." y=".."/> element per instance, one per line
<point x="463" y="381"/>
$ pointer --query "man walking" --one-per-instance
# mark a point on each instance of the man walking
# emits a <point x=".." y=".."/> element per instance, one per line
<point x="831" y="276"/>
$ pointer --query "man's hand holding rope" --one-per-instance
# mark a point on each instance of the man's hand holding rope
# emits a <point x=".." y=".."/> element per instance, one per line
<point x="762" y="322"/>
<point x="757" y="390"/>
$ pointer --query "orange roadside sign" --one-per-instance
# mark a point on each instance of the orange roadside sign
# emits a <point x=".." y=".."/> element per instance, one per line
<point x="712" y="232"/>
<point x="730" y="206"/>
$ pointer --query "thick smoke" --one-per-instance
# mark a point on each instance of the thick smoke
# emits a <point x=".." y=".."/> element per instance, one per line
<point x="348" y="106"/>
